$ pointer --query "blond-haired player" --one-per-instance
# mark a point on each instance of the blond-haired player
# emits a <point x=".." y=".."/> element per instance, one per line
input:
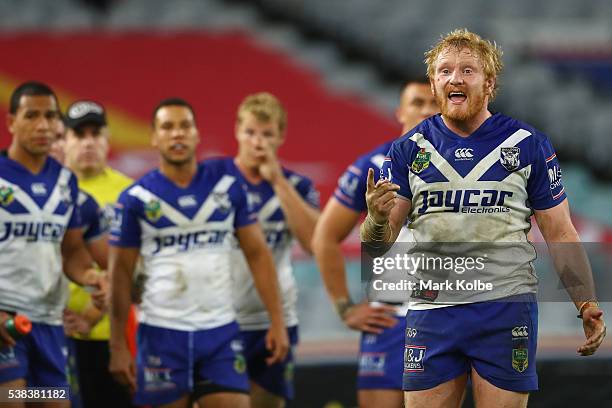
<point x="472" y="177"/>
<point x="287" y="208"/>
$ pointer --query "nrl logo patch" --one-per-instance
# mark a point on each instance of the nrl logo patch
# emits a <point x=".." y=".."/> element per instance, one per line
<point x="239" y="364"/>
<point x="421" y="161"/>
<point x="152" y="210"/>
<point x="509" y="158"/>
<point x="6" y="196"/>
<point x="520" y="359"/>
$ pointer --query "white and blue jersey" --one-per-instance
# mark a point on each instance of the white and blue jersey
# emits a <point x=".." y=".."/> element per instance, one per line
<point x="35" y="212"/>
<point x="350" y="192"/>
<point x="186" y="237"/>
<point x="380" y="355"/>
<point x="479" y="189"/>
<point x="92" y="217"/>
<point x="352" y="184"/>
<point x="251" y="312"/>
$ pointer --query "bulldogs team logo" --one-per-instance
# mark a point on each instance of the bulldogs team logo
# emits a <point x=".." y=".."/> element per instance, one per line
<point x="222" y="200"/>
<point x="509" y="158"/>
<point x="65" y="194"/>
<point x="6" y="196"/>
<point x="421" y="161"/>
<point x="153" y="210"/>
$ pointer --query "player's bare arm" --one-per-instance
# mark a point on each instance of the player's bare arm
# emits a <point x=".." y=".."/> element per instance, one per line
<point x="386" y="212"/>
<point x="569" y="257"/>
<point x="78" y="266"/>
<point x="98" y="249"/>
<point x="122" y="262"/>
<point x="334" y="225"/>
<point x="259" y="258"/>
<point x="301" y="217"/>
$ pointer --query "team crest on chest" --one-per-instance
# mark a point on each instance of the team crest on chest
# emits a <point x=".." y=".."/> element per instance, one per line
<point x="6" y="196"/>
<point x="421" y="161"/>
<point x="509" y="158"/>
<point x="153" y="210"/>
<point x="64" y="190"/>
<point x="223" y="201"/>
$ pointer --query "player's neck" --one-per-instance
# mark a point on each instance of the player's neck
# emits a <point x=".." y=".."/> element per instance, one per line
<point x="179" y="174"/>
<point x="34" y="163"/>
<point x="87" y="173"/>
<point x="465" y="128"/>
<point x="250" y="171"/>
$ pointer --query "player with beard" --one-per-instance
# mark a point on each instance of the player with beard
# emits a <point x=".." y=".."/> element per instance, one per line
<point x="473" y="176"/>
<point x="379" y="380"/>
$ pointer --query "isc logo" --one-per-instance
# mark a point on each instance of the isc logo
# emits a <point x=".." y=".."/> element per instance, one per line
<point x="466" y="201"/>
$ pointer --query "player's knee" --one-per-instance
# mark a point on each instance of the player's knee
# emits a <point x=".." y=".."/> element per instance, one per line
<point x="262" y="398"/>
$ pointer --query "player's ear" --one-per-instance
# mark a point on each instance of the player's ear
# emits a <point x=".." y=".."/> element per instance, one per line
<point x="490" y="83"/>
<point x="10" y="121"/>
<point x="237" y="129"/>
<point x="197" y="135"/>
<point x="153" y="138"/>
<point x="282" y="135"/>
<point x="398" y="117"/>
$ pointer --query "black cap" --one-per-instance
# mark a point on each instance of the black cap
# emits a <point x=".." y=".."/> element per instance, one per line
<point x="85" y="112"/>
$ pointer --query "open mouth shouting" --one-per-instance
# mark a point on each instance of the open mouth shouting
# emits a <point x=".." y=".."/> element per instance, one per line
<point x="457" y="97"/>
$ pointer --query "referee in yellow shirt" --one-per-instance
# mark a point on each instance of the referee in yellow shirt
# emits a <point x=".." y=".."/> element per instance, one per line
<point x="86" y="149"/>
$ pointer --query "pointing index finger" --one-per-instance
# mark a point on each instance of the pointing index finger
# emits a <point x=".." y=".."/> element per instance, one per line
<point x="370" y="179"/>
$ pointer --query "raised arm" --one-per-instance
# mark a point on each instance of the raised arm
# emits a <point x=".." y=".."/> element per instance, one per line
<point x="386" y="212"/>
<point x="300" y="215"/>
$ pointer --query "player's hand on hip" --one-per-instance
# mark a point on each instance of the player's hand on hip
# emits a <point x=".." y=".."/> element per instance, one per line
<point x="277" y="343"/>
<point x="371" y="319"/>
<point x="5" y="338"/>
<point x="122" y="367"/>
<point x="594" y="330"/>
<point x="380" y="197"/>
